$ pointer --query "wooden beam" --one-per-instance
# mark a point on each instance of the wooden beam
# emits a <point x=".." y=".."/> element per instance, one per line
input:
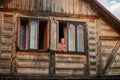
<point x="109" y="37"/>
<point x="111" y="59"/>
<point x="46" y="13"/>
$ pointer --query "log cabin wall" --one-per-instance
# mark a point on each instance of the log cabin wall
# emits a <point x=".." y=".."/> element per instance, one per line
<point x="99" y="34"/>
<point x="108" y="40"/>
<point x="61" y="6"/>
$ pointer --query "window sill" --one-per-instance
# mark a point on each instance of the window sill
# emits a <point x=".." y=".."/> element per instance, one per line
<point x="31" y="50"/>
<point x="70" y="52"/>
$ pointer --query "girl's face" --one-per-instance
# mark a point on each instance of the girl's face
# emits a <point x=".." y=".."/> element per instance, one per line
<point x="62" y="41"/>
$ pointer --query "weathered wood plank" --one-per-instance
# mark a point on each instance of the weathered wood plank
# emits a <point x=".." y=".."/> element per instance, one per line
<point x="5" y="55"/>
<point x="4" y="71"/>
<point x="24" y="63"/>
<point x="69" y="65"/>
<point x="114" y="71"/>
<point x="32" y="56"/>
<point x="32" y="71"/>
<point x="69" y="72"/>
<point x="67" y="60"/>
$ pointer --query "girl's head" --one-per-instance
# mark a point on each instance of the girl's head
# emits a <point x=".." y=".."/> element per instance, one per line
<point x="62" y="41"/>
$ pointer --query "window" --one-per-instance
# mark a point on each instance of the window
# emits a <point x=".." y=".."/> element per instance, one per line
<point x="75" y="37"/>
<point x="42" y="35"/>
<point x="33" y="34"/>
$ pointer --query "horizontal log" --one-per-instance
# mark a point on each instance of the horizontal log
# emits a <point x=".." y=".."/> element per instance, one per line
<point x="70" y="56"/>
<point x="92" y="53"/>
<point x="108" y="43"/>
<point x="116" y="64"/>
<point x="92" y="37"/>
<point x="109" y="33"/>
<point x="33" y="57"/>
<point x="6" y="47"/>
<point x="6" y="39"/>
<point x="70" y="60"/>
<point x="92" y="41"/>
<point x="69" y="72"/>
<point x="110" y="37"/>
<point x="92" y="24"/>
<point x="114" y="71"/>
<point x="5" y="63"/>
<point x="4" y="71"/>
<point x="118" y="50"/>
<point x="5" y="55"/>
<point x="117" y="58"/>
<point x="93" y="72"/>
<point x="93" y="48"/>
<point x="32" y="63"/>
<point x="70" y="65"/>
<point x="32" y="71"/>
<point x="8" y="24"/>
<point x="107" y="50"/>
<point x="93" y="59"/>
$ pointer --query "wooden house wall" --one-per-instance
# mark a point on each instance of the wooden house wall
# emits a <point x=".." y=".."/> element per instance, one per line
<point x="107" y="46"/>
<point x="65" y="64"/>
<point x="60" y="6"/>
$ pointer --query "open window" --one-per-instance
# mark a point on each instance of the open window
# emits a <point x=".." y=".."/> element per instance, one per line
<point x="43" y="35"/>
<point x="62" y="31"/>
<point x="34" y="34"/>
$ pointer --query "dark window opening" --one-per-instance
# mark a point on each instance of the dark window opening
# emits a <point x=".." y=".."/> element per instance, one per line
<point x="42" y="35"/>
<point x="62" y="30"/>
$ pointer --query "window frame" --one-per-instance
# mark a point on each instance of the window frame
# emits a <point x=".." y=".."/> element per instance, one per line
<point x="18" y="35"/>
<point x="49" y="36"/>
<point x="85" y="37"/>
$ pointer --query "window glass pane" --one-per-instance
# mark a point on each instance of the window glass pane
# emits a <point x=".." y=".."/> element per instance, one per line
<point x="53" y="35"/>
<point x="80" y="38"/>
<point x="34" y="34"/>
<point x="24" y="34"/>
<point x="21" y="35"/>
<point x="71" y="37"/>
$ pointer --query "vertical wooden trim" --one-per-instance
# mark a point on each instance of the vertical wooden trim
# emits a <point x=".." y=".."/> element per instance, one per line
<point x="18" y="38"/>
<point x="38" y="34"/>
<point x="76" y="37"/>
<point x="52" y="64"/>
<point x="28" y="34"/>
<point x="66" y="36"/>
<point x="86" y="46"/>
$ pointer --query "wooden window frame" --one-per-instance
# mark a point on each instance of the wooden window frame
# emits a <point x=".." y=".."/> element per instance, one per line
<point x="18" y="35"/>
<point x="49" y="37"/>
<point x="85" y="38"/>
